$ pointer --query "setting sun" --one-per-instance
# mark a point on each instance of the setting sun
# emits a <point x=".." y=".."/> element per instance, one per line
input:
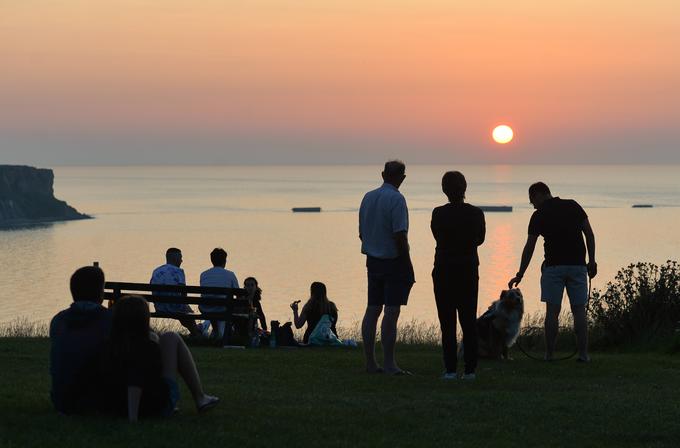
<point x="502" y="134"/>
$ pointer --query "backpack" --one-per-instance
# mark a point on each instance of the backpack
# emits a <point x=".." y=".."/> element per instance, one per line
<point x="322" y="333"/>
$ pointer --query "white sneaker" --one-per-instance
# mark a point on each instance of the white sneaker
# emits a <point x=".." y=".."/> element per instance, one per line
<point x="469" y="376"/>
<point x="450" y="376"/>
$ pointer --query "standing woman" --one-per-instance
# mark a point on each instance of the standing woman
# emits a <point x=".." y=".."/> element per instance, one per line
<point x="459" y="228"/>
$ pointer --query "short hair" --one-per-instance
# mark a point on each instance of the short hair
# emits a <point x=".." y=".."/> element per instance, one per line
<point x="538" y="187"/>
<point x="171" y="254"/>
<point x="394" y="168"/>
<point x="87" y="284"/>
<point x="454" y="185"/>
<point x="218" y="256"/>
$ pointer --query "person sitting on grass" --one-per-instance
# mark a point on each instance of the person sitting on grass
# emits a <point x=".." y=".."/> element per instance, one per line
<point x="255" y="297"/>
<point x="143" y="366"/>
<point x="316" y="307"/>
<point x="77" y="338"/>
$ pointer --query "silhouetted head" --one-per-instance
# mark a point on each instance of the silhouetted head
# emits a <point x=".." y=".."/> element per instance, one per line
<point x="454" y="186"/>
<point x="87" y="285"/>
<point x="318" y="291"/>
<point x="512" y="299"/>
<point x="252" y="287"/>
<point x="394" y="173"/>
<point x="130" y="321"/>
<point x="538" y="194"/>
<point x="173" y="256"/>
<point x="218" y="257"/>
<point x="318" y="302"/>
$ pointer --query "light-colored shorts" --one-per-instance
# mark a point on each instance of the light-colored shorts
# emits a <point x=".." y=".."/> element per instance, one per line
<point x="555" y="278"/>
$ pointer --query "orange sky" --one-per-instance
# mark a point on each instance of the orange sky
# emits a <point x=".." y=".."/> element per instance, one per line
<point x="423" y="80"/>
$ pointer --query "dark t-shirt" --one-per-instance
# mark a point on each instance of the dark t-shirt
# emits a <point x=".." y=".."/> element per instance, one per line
<point x="560" y="223"/>
<point x="142" y="367"/>
<point x="458" y="229"/>
<point x="77" y="338"/>
<point x="313" y="318"/>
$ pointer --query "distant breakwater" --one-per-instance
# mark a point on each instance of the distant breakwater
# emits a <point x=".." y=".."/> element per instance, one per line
<point x="27" y="197"/>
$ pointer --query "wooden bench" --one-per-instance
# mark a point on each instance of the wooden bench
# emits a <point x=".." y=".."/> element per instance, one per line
<point x="233" y="299"/>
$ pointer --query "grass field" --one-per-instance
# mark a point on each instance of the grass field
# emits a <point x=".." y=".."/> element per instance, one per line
<point x="321" y="398"/>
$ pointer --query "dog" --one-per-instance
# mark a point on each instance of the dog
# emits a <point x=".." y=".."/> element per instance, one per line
<point x="498" y="328"/>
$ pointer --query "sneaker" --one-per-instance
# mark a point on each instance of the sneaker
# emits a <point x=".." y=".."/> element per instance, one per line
<point x="450" y="376"/>
<point x="469" y="376"/>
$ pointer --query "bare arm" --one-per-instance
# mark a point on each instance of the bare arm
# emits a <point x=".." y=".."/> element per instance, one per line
<point x="527" y="253"/>
<point x="401" y="238"/>
<point x="134" y="397"/>
<point x="298" y="319"/>
<point x="590" y="245"/>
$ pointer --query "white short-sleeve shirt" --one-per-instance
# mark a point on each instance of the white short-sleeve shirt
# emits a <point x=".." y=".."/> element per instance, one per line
<point x="218" y="277"/>
<point x="383" y="213"/>
<point x="168" y="274"/>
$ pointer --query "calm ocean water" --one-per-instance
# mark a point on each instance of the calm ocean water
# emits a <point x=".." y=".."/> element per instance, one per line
<point x="140" y="211"/>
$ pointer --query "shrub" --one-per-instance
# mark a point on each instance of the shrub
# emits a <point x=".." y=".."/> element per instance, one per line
<point x="642" y="305"/>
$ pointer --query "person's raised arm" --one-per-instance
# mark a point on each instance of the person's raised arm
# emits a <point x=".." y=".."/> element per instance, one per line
<point x="527" y="253"/>
<point x="134" y="396"/>
<point x="590" y="245"/>
<point x="298" y="319"/>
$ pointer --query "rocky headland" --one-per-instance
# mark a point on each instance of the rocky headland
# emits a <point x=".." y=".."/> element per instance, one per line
<point x="27" y="197"/>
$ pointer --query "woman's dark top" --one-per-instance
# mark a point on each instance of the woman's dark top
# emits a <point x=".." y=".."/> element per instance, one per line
<point x="143" y="368"/>
<point x="458" y="229"/>
<point x="260" y="314"/>
<point x="313" y="318"/>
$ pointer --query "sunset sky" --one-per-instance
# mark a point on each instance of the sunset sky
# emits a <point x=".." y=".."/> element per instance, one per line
<point x="338" y="81"/>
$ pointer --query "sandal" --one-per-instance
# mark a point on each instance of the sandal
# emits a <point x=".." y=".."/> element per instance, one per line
<point x="211" y="403"/>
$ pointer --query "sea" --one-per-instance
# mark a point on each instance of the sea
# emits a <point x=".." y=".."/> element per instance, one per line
<point x="140" y="211"/>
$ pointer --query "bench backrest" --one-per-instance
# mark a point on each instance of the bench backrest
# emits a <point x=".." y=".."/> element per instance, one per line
<point x="181" y="293"/>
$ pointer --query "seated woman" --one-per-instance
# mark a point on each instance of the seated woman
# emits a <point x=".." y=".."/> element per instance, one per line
<point x="143" y="367"/>
<point x="255" y="297"/>
<point x="316" y="307"/>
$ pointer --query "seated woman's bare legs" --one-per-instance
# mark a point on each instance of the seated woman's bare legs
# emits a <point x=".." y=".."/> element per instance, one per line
<point x="178" y="359"/>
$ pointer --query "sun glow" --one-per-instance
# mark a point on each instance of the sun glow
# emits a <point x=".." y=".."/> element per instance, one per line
<point x="502" y="134"/>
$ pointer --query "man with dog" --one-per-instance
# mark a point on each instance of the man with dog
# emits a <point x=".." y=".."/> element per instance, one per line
<point x="562" y="223"/>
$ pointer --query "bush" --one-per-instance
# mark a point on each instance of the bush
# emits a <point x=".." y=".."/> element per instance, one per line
<point x="642" y="305"/>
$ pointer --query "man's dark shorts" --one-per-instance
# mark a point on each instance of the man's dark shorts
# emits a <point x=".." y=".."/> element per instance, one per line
<point x="389" y="281"/>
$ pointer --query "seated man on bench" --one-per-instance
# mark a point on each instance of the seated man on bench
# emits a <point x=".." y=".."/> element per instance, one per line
<point x="171" y="274"/>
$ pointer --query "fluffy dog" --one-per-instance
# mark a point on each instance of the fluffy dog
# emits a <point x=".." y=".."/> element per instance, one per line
<point x="499" y="326"/>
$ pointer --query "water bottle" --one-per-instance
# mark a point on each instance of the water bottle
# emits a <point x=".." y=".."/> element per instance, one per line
<point x="272" y="337"/>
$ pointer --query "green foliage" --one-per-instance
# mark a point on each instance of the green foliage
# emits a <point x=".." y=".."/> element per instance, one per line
<point x="642" y="305"/>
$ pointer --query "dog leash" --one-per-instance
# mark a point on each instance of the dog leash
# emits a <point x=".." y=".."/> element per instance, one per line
<point x="564" y="358"/>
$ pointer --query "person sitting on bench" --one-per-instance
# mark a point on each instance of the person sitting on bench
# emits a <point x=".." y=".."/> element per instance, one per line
<point x="171" y="274"/>
<point x="217" y="276"/>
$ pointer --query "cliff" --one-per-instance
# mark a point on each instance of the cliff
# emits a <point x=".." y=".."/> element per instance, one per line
<point x="27" y="196"/>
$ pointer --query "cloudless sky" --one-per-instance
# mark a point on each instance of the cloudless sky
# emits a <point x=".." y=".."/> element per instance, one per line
<point x="338" y="81"/>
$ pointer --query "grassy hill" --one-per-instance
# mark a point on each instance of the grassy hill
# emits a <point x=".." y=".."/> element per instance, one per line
<point x="322" y="398"/>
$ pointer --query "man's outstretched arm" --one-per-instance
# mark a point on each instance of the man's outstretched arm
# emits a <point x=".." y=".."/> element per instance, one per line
<point x="527" y="253"/>
<point x="590" y="245"/>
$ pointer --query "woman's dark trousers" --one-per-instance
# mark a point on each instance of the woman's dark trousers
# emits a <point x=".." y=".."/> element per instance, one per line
<point x="456" y="289"/>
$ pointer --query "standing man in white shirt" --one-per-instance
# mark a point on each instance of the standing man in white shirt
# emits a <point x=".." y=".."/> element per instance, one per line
<point x="383" y="230"/>
<point x="220" y="277"/>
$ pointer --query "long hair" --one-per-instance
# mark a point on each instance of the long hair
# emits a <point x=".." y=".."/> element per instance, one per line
<point x="318" y="302"/>
<point x="258" y="291"/>
<point x="130" y="325"/>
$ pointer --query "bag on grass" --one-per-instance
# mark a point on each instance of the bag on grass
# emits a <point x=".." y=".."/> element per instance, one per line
<point x="323" y="334"/>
